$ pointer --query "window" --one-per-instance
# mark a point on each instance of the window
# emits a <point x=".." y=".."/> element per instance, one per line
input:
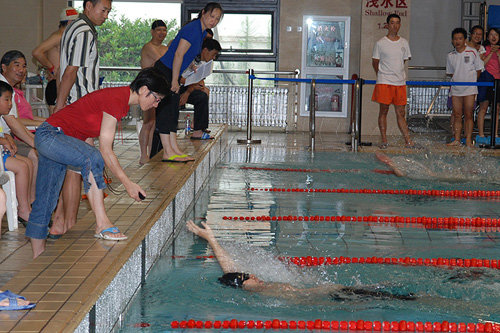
<point x="248" y="34"/>
<point x="126" y="30"/>
<point x="244" y="34"/>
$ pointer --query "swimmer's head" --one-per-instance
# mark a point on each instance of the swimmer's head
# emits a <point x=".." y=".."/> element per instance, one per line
<point x="234" y="280"/>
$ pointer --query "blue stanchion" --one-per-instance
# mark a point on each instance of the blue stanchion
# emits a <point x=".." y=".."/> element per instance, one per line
<point x="409" y="83"/>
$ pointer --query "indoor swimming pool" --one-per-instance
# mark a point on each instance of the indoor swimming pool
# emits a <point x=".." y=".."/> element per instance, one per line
<point x="183" y="284"/>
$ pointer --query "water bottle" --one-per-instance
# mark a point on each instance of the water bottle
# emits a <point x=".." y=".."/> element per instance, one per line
<point x="188" y="125"/>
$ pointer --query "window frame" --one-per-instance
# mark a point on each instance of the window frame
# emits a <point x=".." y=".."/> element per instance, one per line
<point x="269" y="7"/>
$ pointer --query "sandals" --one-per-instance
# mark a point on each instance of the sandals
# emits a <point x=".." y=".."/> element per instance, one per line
<point x="13" y="305"/>
<point x="106" y="234"/>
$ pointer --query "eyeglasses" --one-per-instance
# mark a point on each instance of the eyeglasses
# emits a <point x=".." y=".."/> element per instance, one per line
<point x="157" y="99"/>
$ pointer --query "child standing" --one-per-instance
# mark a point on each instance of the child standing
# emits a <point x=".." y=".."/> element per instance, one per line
<point x="464" y="65"/>
<point x="476" y="38"/>
<point x="20" y="165"/>
<point x="492" y="72"/>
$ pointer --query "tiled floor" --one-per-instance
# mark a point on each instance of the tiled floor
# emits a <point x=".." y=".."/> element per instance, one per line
<point x="75" y="269"/>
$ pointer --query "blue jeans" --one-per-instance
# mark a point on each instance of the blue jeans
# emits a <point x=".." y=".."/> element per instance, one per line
<point x="55" y="152"/>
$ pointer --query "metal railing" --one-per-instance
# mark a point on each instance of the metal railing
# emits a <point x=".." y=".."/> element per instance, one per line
<point x="250" y="91"/>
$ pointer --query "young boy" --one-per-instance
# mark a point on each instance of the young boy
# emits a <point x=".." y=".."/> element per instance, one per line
<point x="20" y="165"/>
<point x="463" y="65"/>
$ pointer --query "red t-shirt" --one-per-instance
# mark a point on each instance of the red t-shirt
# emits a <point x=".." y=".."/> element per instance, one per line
<point x="83" y="118"/>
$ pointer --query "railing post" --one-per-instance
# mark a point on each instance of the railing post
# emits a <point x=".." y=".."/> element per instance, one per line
<point x="494" y="112"/>
<point x="249" y="112"/>
<point x="312" y="116"/>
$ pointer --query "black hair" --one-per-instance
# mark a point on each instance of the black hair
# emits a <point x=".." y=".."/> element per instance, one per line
<point x="393" y="15"/>
<point x="63" y="23"/>
<point x="210" y="32"/>
<point x="234" y="280"/>
<point x="4" y="86"/>
<point x="11" y="56"/>
<point x="158" y="23"/>
<point x="487" y="42"/>
<point x="94" y="2"/>
<point x="209" y="7"/>
<point x="211" y="44"/>
<point x="459" y="31"/>
<point x="474" y="28"/>
<point x="153" y="80"/>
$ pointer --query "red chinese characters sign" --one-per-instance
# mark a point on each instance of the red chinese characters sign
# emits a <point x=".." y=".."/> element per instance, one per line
<point x="385" y="7"/>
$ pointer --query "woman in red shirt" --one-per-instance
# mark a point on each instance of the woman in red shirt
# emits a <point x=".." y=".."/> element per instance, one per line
<point x="60" y="141"/>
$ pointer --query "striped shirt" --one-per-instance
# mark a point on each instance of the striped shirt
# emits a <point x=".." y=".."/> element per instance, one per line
<point x="79" y="48"/>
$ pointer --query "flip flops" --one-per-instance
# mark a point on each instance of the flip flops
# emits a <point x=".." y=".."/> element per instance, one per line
<point x="13" y="302"/>
<point x="105" y="234"/>
<point x="53" y="236"/>
<point x="173" y="159"/>
<point x="204" y="136"/>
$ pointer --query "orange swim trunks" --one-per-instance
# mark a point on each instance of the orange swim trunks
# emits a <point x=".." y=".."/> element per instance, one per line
<point x="388" y="94"/>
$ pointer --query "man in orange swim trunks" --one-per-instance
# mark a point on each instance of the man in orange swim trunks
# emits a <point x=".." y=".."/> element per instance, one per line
<point x="389" y="56"/>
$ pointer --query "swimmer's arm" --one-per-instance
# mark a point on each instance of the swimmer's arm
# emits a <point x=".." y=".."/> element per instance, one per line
<point x="225" y="261"/>
<point x="386" y="159"/>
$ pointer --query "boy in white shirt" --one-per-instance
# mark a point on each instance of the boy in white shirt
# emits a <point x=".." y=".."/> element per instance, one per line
<point x="389" y="56"/>
<point x="463" y="65"/>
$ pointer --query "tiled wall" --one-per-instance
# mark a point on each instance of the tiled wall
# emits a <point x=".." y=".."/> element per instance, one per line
<point x="106" y="314"/>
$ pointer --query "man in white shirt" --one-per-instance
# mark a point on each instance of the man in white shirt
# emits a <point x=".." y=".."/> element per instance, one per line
<point x="389" y="56"/>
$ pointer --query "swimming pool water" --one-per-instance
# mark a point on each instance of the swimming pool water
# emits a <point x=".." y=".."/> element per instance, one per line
<point x="184" y="287"/>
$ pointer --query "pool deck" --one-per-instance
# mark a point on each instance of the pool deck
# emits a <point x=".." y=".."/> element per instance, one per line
<point x="68" y="279"/>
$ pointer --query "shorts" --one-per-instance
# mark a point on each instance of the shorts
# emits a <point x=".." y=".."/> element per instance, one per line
<point x="51" y="92"/>
<point x="486" y="93"/>
<point x="5" y="156"/>
<point x="389" y="94"/>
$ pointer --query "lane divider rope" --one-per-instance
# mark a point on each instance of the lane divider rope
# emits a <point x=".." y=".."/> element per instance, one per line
<point x="406" y="261"/>
<point x="440" y="193"/>
<point x="450" y="223"/>
<point x="344" y="325"/>
<point x="304" y="170"/>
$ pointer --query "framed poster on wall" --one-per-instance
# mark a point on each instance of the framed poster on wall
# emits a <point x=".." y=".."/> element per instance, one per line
<point x="325" y="55"/>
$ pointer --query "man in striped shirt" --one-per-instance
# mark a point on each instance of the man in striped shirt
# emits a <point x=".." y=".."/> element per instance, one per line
<point x="79" y="75"/>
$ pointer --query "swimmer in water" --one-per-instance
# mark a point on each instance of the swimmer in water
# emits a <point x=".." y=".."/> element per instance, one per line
<point x="325" y="294"/>
<point x="468" y="170"/>
<point x="233" y="277"/>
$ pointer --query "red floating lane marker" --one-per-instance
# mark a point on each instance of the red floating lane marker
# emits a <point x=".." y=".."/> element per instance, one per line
<point x="406" y="261"/>
<point x="303" y="170"/>
<point x="479" y="224"/>
<point x="334" y="325"/>
<point x="438" y="193"/>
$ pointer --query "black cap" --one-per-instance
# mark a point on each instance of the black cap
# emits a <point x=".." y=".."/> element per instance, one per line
<point x="234" y="280"/>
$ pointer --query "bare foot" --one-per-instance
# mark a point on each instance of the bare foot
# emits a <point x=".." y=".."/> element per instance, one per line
<point x="143" y="160"/>
<point x="110" y="233"/>
<point x="454" y="143"/>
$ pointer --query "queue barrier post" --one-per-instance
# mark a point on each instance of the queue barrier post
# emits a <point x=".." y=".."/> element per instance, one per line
<point x="494" y="114"/>
<point x="249" y="140"/>
<point x="312" y="116"/>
